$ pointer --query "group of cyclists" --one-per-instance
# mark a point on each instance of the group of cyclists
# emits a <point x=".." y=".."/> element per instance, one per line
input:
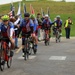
<point x="29" y="25"/>
<point x="10" y="27"/>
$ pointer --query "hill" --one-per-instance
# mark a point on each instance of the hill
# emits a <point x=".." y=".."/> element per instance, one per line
<point x="62" y="8"/>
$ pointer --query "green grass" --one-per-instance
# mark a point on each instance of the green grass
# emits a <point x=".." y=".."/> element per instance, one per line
<point x="62" y="8"/>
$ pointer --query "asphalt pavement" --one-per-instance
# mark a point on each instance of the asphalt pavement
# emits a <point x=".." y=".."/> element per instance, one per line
<point x="55" y="59"/>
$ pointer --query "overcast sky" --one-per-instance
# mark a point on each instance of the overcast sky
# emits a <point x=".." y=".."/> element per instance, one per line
<point x="9" y="1"/>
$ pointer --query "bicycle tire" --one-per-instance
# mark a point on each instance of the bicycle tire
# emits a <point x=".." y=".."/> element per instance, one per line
<point x="31" y="45"/>
<point x="9" y="62"/>
<point x="30" y="51"/>
<point x="57" y="37"/>
<point x="47" y="40"/>
<point x="1" y="65"/>
<point x="26" y="53"/>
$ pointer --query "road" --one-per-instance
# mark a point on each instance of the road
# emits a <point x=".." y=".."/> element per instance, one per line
<point x="55" y="59"/>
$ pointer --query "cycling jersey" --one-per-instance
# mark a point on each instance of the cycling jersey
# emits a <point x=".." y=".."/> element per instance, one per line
<point x="58" y="23"/>
<point x="25" y="26"/>
<point x="35" y="24"/>
<point x="7" y="31"/>
<point x="46" y="23"/>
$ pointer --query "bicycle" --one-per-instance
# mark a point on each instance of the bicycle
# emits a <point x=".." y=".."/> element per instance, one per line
<point x="32" y="46"/>
<point x="5" y="54"/>
<point x="47" y="38"/>
<point x="26" y="47"/>
<point x="57" y="35"/>
<point x="1" y="59"/>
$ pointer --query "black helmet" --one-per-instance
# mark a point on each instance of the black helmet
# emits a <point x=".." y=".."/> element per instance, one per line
<point x="26" y="15"/>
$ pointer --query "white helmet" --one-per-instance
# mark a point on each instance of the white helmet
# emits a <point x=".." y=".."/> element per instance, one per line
<point x="46" y="15"/>
<point x="58" y="16"/>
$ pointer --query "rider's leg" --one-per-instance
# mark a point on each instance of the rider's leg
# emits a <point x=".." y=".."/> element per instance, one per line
<point x="35" y="39"/>
<point x="23" y="40"/>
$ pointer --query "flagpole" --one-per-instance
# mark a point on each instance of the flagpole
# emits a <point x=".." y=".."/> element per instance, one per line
<point x="12" y="2"/>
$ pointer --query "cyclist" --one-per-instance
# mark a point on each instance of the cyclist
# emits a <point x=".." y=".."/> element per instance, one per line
<point x="46" y="25"/>
<point x="35" y="30"/>
<point x="7" y="31"/>
<point x="27" y="27"/>
<point x="58" y="24"/>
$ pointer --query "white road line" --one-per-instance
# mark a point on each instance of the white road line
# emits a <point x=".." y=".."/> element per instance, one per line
<point x="19" y="50"/>
<point x="57" y="58"/>
<point x="30" y="57"/>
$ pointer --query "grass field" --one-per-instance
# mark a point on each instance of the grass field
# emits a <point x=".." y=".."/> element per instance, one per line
<point x="62" y="8"/>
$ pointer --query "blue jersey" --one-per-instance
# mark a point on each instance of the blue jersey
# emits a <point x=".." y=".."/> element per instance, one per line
<point x="47" y="23"/>
<point x="35" y="24"/>
<point x="25" y="25"/>
<point x="7" y="31"/>
<point x="58" y="23"/>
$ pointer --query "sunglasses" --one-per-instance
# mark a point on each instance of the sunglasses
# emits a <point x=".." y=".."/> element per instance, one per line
<point x="5" y="20"/>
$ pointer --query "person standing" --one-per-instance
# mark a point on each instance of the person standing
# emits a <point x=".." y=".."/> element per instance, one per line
<point x="67" y="26"/>
<point x="0" y="19"/>
<point x="16" y="24"/>
<point x="39" y="27"/>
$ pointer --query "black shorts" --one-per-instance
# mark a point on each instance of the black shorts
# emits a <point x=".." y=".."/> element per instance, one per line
<point x="24" y="35"/>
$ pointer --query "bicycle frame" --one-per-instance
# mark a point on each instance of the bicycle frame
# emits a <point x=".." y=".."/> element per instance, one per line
<point x="5" y="54"/>
<point x="26" y="47"/>
<point x="57" y="35"/>
<point x="47" y="37"/>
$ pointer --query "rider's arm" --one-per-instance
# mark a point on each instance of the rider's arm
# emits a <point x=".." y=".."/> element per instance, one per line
<point x="51" y="23"/>
<point x="43" y="23"/>
<point x="20" y="27"/>
<point x="61" y="23"/>
<point x="35" y="25"/>
<point x="31" y="26"/>
<point x="11" y="31"/>
<point x="17" y="21"/>
<point x="11" y="36"/>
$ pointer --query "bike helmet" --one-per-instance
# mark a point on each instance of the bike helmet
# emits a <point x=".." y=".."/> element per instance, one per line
<point x="58" y="16"/>
<point x="46" y="15"/>
<point x="26" y="15"/>
<point x="32" y="16"/>
<point x="5" y="18"/>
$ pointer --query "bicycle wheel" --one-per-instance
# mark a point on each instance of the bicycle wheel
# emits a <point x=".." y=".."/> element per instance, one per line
<point x="26" y="52"/>
<point x="30" y="48"/>
<point x="56" y="39"/>
<point x="2" y="63"/>
<point x="48" y="42"/>
<point x="26" y="55"/>
<point x="57" y="36"/>
<point x="45" y="40"/>
<point x="9" y="62"/>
